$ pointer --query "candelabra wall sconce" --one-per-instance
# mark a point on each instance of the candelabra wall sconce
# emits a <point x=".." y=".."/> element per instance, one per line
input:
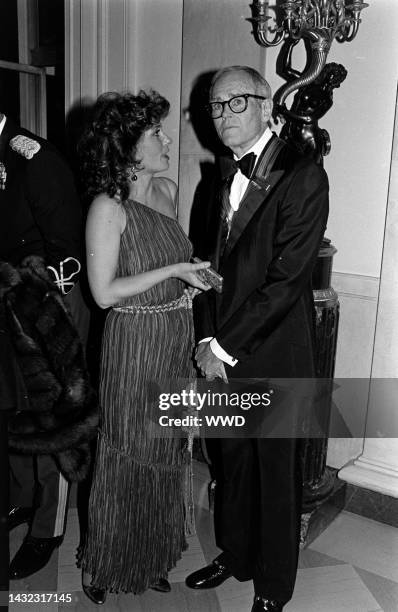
<point x="317" y="23"/>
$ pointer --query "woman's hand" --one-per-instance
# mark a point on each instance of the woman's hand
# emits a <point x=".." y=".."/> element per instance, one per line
<point x="190" y="274"/>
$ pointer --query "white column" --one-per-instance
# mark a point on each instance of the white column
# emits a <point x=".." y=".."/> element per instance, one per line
<point x="377" y="467"/>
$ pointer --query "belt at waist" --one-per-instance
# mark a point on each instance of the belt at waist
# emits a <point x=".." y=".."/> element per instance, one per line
<point x="184" y="301"/>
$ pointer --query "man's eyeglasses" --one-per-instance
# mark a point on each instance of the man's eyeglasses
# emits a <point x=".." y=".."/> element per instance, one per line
<point x="237" y="104"/>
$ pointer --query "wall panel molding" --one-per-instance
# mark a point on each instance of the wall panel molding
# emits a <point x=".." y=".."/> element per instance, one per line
<point x="89" y="49"/>
<point x="377" y="467"/>
<point x="102" y="46"/>
<point x="130" y="46"/>
<point x="72" y="52"/>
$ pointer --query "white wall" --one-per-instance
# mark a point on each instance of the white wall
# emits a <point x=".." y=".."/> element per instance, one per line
<point x="377" y="466"/>
<point x="158" y="60"/>
<point x="360" y="125"/>
<point x="125" y="45"/>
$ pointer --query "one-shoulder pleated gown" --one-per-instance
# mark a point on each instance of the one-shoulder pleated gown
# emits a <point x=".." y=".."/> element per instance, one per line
<point x="136" y="509"/>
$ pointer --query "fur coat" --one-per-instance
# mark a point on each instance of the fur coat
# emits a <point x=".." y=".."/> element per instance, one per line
<point x="60" y="413"/>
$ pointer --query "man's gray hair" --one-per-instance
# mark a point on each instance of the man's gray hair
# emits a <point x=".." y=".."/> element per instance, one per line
<point x="261" y="86"/>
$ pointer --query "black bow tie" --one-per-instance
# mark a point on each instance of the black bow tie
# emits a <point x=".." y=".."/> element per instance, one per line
<point x="246" y="164"/>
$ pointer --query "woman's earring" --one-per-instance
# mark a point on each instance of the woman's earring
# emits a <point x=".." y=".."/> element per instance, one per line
<point x="132" y="174"/>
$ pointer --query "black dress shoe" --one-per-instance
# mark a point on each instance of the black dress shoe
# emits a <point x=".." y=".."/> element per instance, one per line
<point x="262" y="604"/>
<point x="163" y="586"/>
<point x="208" y="577"/>
<point x="32" y="556"/>
<point x="19" y="515"/>
<point x="98" y="596"/>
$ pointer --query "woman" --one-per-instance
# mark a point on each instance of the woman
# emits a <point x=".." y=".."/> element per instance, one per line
<point x="137" y="264"/>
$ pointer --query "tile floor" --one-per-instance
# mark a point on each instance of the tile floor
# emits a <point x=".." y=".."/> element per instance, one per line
<point x="351" y="567"/>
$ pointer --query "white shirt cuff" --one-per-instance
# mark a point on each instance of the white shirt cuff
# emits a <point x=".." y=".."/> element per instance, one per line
<point x="219" y="351"/>
<point x="221" y="354"/>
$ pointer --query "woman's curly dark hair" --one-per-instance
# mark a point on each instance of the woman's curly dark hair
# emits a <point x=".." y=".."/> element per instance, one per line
<point x="107" y="149"/>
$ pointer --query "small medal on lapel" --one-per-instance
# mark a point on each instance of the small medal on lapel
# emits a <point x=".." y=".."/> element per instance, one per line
<point x="3" y="176"/>
<point x="261" y="183"/>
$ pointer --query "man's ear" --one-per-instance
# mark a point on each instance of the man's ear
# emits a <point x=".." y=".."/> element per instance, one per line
<point x="267" y="106"/>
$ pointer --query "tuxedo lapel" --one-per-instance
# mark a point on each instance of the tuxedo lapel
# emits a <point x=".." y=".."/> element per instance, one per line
<point x="260" y="185"/>
<point x="224" y="203"/>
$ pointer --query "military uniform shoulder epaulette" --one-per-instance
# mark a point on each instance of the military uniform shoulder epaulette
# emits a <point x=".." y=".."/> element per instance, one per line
<point x="27" y="147"/>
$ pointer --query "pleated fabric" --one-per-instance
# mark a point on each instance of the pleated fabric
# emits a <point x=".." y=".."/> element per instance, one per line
<point x="136" y="510"/>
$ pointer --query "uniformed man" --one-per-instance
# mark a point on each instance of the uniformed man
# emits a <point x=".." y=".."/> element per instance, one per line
<point x="40" y="215"/>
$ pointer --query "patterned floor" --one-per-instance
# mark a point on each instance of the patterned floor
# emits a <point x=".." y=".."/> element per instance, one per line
<point x="351" y="567"/>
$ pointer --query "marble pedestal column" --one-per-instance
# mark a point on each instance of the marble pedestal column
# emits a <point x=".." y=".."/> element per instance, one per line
<point x="322" y="494"/>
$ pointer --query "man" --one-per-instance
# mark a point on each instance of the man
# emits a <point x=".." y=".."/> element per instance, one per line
<point x="40" y="216"/>
<point x="274" y="207"/>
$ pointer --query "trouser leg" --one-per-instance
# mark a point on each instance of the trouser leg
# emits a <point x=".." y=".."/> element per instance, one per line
<point x="22" y="480"/>
<point x="4" y="500"/>
<point x="36" y="481"/>
<point x="280" y="486"/>
<point x="234" y="503"/>
<point x="50" y="514"/>
<point x="258" y="511"/>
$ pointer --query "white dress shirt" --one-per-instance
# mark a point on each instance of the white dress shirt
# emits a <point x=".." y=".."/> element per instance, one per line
<point x="238" y="187"/>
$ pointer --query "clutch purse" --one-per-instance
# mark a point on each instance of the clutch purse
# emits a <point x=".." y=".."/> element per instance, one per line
<point x="209" y="276"/>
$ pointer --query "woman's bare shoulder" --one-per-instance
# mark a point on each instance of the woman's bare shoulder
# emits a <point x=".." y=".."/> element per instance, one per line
<point x="106" y="209"/>
<point x="167" y="186"/>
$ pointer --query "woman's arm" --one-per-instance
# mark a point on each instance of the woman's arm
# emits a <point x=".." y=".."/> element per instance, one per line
<point x="105" y="224"/>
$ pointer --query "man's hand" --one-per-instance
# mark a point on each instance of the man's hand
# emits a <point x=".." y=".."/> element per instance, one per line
<point x="210" y="366"/>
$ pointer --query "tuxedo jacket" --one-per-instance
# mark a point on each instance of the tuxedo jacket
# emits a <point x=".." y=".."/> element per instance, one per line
<point x="40" y="212"/>
<point x="265" y="315"/>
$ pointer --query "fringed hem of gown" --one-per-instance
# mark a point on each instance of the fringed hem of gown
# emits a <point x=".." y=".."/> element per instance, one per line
<point x="112" y="556"/>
